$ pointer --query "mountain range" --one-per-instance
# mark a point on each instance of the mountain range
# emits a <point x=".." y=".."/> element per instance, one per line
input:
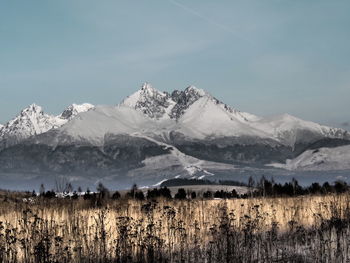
<point x="153" y="135"/>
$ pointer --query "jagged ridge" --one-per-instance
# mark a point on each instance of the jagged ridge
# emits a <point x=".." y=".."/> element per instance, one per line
<point x="34" y="121"/>
<point x="192" y="120"/>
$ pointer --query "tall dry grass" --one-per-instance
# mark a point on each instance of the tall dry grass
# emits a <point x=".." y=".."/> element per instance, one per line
<point x="300" y="229"/>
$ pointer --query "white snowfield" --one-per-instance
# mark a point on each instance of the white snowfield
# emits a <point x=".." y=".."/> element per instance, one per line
<point x="322" y="159"/>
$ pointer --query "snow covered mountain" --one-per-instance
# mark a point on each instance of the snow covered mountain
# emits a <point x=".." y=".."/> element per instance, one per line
<point x="189" y="115"/>
<point x="192" y="114"/>
<point x="182" y="117"/>
<point x="200" y="115"/>
<point x="33" y="121"/>
<point x="207" y="117"/>
<point x="151" y="102"/>
<point x="162" y="105"/>
<point x="152" y="134"/>
<point x="322" y="159"/>
<point x="290" y="130"/>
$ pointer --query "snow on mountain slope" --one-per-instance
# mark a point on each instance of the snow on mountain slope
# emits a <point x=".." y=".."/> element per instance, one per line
<point x="193" y="113"/>
<point x="197" y="113"/>
<point x="33" y="121"/>
<point x="206" y="117"/>
<point x="183" y="164"/>
<point x="290" y="130"/>
<point x="95" y="124"/>
<point x="149" y="101"/>
<point x="73" y="110"/>
<point x="202" y="117"/>
<point x="190" y="164"/>
<point x="161" y="105"/>
<point x="184" y="99"/>
<point x="322" y="159"/>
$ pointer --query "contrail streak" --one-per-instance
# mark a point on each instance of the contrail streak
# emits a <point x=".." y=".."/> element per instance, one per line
<point x="210" y="21"/>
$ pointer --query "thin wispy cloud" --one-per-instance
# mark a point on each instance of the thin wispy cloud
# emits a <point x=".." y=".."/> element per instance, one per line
<point x="207" y="19"/>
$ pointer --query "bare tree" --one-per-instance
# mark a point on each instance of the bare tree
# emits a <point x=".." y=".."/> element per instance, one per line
<point x="69" y="188"/>
<point x="251" y="184"/>
<point x="103" y="191"/>
<point x="42" y="189"/>
<point x="60" y="184"/>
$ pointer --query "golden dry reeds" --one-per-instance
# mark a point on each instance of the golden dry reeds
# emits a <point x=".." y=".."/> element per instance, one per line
<point x="298" y="229"/>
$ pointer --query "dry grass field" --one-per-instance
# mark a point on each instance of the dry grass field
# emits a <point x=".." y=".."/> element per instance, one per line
<point x="298" y="229"/>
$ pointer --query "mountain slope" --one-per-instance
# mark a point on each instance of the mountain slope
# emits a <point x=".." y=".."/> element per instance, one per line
<point x="162" y="105"/>
<point x="33" y="121"/>
<point x="73" y="110"/>
<point x="151" y="102"/>
<point x="205" y="117"/>
<point x="290" y="130"/>
<point x="153" y="134"/>
<point x="93" y="126"/>
<point x="322" y="159"/>
<point x="209" y="118"/>
<point x="199" y="115"/>
<point x="191" y="166"/>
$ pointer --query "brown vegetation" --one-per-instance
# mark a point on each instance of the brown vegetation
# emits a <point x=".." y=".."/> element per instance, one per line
<point x="296" y="229"/>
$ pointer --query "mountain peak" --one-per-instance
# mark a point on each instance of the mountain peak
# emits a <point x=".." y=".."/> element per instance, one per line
<point x="192" y="89"/>
<point x="149" y="101"/>
<point x="33" y="108"/>
<point x="74" y="109"/>
<point x="147" y="87"/>
<point x="31" y="121"/>
<point x="148" y="92"/>
<point x="184" y="99"/>
<point x="156" y="104"/>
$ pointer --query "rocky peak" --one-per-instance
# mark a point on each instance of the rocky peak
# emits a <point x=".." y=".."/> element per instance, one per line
<point x="149" y="101"/>
<point x="74" y="109"/>
<point x="147" y="87"/>
<point x="147" y="92"/>
<point x="32" y="109"/>
<point x="31" y="121"/>
<point x="157" y="105"/>
<point x="185" y="99"/>
<point x="192" y="90"/>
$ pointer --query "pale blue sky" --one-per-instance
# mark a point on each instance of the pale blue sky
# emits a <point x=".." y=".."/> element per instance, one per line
<point x="264" y="57"/>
